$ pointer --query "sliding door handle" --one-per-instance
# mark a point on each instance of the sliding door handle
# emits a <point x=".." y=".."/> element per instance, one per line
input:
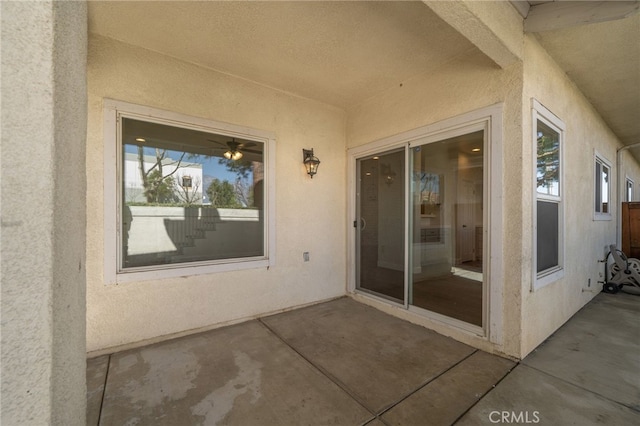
<point x="363" y="224"/>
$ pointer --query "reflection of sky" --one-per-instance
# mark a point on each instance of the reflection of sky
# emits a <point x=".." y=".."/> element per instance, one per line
<point x="210" y="165"/>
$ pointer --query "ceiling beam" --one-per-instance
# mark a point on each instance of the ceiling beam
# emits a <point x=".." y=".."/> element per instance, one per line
<point x="493" y="27"/>
<point x="522" y="6"/>
<point x="562" y="14"/>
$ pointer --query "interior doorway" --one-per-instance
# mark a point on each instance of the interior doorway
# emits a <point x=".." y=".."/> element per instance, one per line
<point x="465" y="221"/>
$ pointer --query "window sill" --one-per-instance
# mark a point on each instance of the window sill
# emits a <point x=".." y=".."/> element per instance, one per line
<point x="185" y="270"/>
<point x="547" y="277"/>
<point x="602" y="216"/>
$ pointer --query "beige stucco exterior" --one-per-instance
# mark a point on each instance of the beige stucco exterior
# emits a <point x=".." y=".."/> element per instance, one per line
<point x="496" y="29"/>
<point x="52" y="255"/>
<point x="586" y="239"/>
<point x="42" y="240"/>
<point x="469" y="83"/>
<point x="129" y="313"/>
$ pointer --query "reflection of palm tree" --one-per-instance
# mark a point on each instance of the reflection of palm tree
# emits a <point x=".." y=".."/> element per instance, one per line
<point x="548" y="162"/>
<point x="159" y="188"/>
<point x="127" y="217"/>
<point x="429" y="187"/>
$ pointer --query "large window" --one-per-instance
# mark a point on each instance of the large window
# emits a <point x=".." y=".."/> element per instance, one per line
<point x="548" y="212"/>
<point x="191" y="195"/>
<point x="602" y="189"/>
<point x="629" y="191"/>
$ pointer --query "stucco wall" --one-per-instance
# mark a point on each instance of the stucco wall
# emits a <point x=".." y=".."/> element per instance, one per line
<point x="470" y="82"/>
<point x="136" y="312"/>
<point x="43" y="213"/>
<point x="547" y="308"/>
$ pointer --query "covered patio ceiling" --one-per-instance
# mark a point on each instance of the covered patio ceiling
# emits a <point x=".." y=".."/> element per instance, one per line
<point x="339" y="53"/>
<point x="342" y="53"/>
<point x="597" y="43"/>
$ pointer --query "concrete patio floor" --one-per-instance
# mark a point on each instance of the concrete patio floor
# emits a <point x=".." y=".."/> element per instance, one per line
<point x="344" y="363"/>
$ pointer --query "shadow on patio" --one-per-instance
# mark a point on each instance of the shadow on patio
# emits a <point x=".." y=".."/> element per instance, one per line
<point x="345" y="363"/>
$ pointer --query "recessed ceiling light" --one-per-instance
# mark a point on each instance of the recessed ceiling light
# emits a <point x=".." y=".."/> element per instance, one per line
<point x="376" y="158"/>
<point x="475" y="150"/>
<point x="368" y="174"/>
<point x="141" y="140"/>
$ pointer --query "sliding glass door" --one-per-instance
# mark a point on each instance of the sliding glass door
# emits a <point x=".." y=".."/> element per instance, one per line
<point x="380" y="225"/>
<point x="420" y="226"/>
<point x="447" y="232"/>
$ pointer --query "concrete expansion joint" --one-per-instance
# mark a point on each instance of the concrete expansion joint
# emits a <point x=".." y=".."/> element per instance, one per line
<point x="342" y="362"/>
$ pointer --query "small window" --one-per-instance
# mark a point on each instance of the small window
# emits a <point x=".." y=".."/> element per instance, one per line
<point x="602" y="189"/>
<point x="548" y="213"/>
<point x="629" y="192"/>
<point x="190" y="195"/>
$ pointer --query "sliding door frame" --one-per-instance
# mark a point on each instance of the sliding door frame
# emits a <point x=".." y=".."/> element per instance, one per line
<point x="357" y="230"/>
<point x="491" y="120"/>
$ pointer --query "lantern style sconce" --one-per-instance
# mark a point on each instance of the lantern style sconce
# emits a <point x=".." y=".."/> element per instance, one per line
<point x="310" y="161"/>
<point x="389" y="175"/>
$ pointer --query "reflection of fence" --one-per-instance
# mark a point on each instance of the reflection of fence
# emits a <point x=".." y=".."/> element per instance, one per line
<point x="192" y="231"/>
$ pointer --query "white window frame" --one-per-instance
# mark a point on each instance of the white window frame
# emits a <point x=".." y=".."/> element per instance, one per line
<point x="603" y="162"/>
<point x="628" y="181"/>
<point x="113" y="110"/>
<point x="543" y="278"/>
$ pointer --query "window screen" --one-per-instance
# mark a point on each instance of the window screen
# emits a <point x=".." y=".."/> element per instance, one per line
<point x="548" y="232"/>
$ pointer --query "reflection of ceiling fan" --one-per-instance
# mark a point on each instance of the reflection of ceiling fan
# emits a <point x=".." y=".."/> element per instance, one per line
<point x="234" y="148"/>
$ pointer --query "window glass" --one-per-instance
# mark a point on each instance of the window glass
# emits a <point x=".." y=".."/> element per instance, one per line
<point x="548" y="163"/>
<point x="598" y="187"/>
<point x="602" y="185"/>
<point x="629" y="190"/>
<point x="549" y="209"/>
<point x="188" y="196"/>
<point x="604" y="182"/>
<point x="447" y="212"/>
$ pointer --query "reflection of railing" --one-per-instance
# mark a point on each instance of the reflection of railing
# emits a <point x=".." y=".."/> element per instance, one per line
<point x="193" y="224"/>
<point x="155" y="229"/>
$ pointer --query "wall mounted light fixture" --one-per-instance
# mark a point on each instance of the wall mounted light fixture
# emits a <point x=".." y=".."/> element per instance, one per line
<point x="310" y="161"/>
<point x="389" y="175"/>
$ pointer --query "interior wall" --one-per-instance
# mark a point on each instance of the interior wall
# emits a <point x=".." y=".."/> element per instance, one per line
<point x="469" y="82"/>
<point x="309" y="212"/>
<point x="586" y="240"/>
